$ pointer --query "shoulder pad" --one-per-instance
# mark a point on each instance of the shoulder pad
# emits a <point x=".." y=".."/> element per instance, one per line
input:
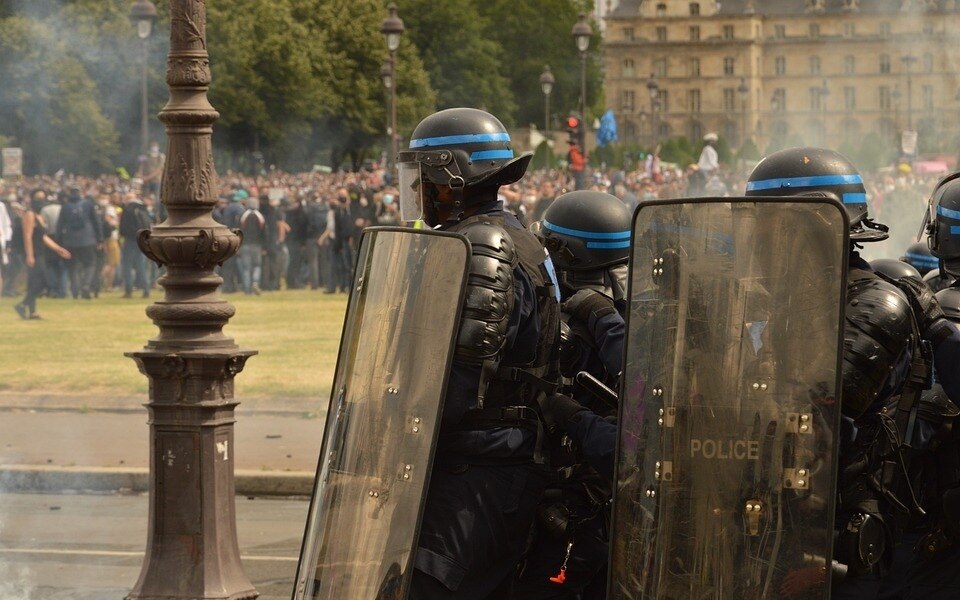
<point x="949" y="299"/>
<point x="487" y="239"/>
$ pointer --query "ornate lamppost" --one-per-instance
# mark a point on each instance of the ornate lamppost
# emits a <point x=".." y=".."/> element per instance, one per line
<point x="744" y="90"/>
<point x="386" y="74"/>
<point x="392" y="28"/>
<point x="192" y="550"/>
<point x="143" y="13"/>
<point x="582" y="32"/>
<point x="908" y="62"/>
<point x="546" y="86"/>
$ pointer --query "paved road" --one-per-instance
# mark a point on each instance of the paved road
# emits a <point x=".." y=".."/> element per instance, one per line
<point x="89" y="547"/>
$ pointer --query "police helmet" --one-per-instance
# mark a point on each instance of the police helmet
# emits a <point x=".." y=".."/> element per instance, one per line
<point x="943" y="223"/>
<point x="949" y="300"/>
<point x="817" y="172"/>
<point x="918" y="255"/>
<point x="464" y="149"/>
<point x="936" y="282"/>
<point x="895" y="269"/>
<point x="586" y="231"/>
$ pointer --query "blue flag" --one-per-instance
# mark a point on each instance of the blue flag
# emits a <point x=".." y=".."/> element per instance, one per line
<point x="607" y="133"/>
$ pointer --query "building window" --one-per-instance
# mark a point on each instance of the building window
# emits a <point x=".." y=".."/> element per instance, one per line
<point x="628" y="67"/>
<point x="728" y="65"/>
<point x="779" y="31"/>
<point x="885" y="63"/>
<point x="695" y="9"/>
<point x="694" y="67"/>
<point x="849" y="29"/>
<point x="694" y="33"/>
<point x="885" y="29"/>
<point x="779" y="102"/>
<point x="780" y="65"/>
<point x="884" y="97"/>
<point x="661" y="10"/>
<point x="627" y="101"/>
<point x="814" y="65"/>
<point x="850" y="98"/>
<point x="816" y="98"/>
<point x="814" y="30"/>
<point x="661" y="34"/>
<point x="660" y="67"/>
<point x="729" y="99"/>
<point x="928" y="97"/>
<point x="694" y="100"/>
<point x="928" y="63"/>
<point x="849" y="65"/>
<point x="728" y="32"/>
<point x="663" y="103"/>
<point x="628" y="34"/>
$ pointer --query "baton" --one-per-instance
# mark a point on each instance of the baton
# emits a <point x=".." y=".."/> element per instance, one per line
<point x="597" y="388"/>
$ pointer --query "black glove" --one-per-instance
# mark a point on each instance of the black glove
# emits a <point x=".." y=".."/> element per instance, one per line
<point x="586" y="303"/>
<point x="558" y="410"/>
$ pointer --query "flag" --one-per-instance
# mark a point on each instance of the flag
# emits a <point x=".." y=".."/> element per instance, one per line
<point x="607" y="133"/>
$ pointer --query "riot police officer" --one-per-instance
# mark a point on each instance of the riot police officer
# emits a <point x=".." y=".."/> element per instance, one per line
<point x="885" y="367"/>
<point x="488" y="473"/>
<point x="588" y="237"/>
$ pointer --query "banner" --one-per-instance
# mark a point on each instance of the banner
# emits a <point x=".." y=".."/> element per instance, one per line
<point x="12" y="162"/>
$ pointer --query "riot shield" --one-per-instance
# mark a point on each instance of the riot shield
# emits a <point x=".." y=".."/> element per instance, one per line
<point x="384" y="414"/>
<point x="726" y="459"/>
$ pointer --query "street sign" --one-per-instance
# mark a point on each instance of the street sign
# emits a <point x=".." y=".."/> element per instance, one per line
<point x="12" y="162"/>
<point x="908" y="142"/>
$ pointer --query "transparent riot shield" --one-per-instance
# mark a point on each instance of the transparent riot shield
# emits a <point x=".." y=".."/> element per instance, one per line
<point x="726" y="462"/>
<point x="384" y="413"/>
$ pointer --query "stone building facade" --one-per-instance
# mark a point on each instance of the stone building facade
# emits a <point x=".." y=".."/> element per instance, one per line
<point x="785" y="71"/>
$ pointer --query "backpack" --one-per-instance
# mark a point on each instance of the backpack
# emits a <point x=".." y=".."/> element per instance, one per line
<point x="72" y="216"/>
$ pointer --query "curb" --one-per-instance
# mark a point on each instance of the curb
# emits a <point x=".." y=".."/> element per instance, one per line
<point x="44" y="479"/>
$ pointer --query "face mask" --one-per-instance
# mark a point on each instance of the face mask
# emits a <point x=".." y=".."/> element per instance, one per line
<point x="388" y="199"/>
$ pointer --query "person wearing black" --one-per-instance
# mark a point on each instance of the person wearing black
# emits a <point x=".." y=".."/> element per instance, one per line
<point x="231" y="218"/>
<point x="344" y="231"/>
<point x="80" y="232"/>
<point x="35" y="239"/>
<point x="272" y="246"/>
<point x="133" y="264"/>
<point x="296" y="238"/>
<point x="489" y="473"/>
<point x="315" y="246"/>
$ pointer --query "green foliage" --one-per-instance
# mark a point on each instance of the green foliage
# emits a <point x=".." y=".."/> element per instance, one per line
<point x="749" y="151"/>
<point x="543" y="157"/>
<point x="49" y="102"/>
<point x="678" y="150"/>
<point x="465" y="64"/>
<point x="874" y="153"/>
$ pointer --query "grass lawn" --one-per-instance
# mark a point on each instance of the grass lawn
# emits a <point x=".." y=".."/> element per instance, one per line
<point x="77" y="349"/>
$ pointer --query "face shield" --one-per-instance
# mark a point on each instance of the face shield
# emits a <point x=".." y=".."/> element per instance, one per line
<point x="410" y="201"/>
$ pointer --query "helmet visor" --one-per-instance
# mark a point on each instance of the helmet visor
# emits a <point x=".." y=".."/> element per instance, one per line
<point x="410" y="201"/>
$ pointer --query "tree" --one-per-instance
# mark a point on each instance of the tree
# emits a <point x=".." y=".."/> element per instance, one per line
<point x="534" y="34"/>
<point x="466" y="65"/>
<point x="49" y="102"/>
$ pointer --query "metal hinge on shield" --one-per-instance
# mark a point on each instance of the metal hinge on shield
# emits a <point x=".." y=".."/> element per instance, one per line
<point x="798" y="477"/>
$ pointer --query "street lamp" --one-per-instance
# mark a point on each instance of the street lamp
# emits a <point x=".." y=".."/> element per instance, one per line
<point x="582" y="33"/>
<point x="386" y="74"/>
<point x="824" y="93"/>
<point x="142" y="14"/>
<point x="743" y="89"/>
<point x="392" y="28"/>
<point x="654" y="88"/>
<point x="908" y="62"/>
<point x="546" y="85"/>
<point x="192" y="549"/>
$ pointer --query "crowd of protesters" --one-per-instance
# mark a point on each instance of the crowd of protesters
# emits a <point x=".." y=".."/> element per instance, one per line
<point x="76" y="237"/>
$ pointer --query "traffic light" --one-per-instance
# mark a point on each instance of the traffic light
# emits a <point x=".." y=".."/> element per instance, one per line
<point x="574" y="126"/>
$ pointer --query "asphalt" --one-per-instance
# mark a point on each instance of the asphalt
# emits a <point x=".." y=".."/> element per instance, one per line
<point x="90" y="444"/>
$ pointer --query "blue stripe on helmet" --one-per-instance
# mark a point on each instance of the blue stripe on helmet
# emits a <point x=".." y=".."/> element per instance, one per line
<point x="489" y="154"/>
<point x="854" y="198"/>
<point x="954" y="230"/>
<point x="923" y="259"/>
<point x="452" y="140"/>
<point x="948" y="213"/>
<point x="608" y="245"/>
<point x="803" y="182"/>
<point x="588" y="235"/>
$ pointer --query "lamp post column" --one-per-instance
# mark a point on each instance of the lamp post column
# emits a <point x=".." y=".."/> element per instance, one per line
<point x="192" y="550"/>
<point x="582" y="32"/>
<point x="392" y="28"/>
